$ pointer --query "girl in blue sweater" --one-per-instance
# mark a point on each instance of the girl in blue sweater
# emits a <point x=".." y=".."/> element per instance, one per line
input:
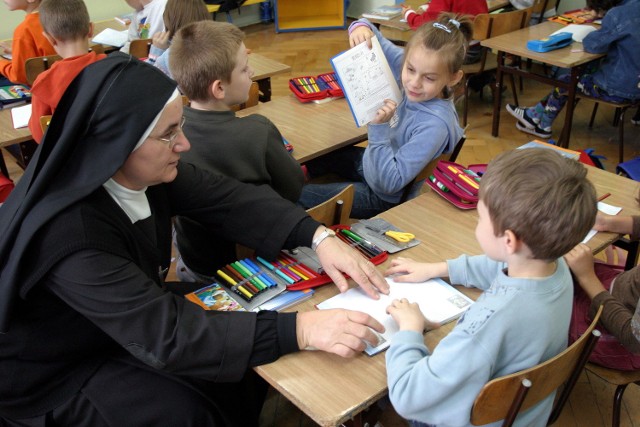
<point x="403" y="138"/>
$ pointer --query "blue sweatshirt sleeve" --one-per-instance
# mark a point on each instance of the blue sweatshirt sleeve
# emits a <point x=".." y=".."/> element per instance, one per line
<point x="388" y="170"/>
<point x="599" y="41"/>
<point x="473" y="271"/>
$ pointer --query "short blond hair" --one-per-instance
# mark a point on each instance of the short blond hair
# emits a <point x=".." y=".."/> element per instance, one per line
<point x="65" y="19"/>
<point x="545" y="199"/>
<point x="203" y="52"/>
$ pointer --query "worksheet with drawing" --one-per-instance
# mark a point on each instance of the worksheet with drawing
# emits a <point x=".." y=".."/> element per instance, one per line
<point x="366" y="79"/>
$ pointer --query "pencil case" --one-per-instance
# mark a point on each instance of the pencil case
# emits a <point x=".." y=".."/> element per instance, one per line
<point x="553" y="42"/>
<point x="309" y="88"/>
<point x="457" y="184"/>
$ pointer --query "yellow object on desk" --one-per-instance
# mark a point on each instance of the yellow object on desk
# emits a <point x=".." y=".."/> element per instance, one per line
<point x="400" y="236"/>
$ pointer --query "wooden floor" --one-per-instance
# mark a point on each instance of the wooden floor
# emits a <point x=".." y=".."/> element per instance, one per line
<point x="308" y="54"/>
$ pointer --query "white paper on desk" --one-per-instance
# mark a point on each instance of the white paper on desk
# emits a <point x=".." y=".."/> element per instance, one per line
<point x="111" y="37"/>
<point x="578" y="31"/>
<point x="367" y="80"/>
<point x="439" y="302"/>
<point x="604" y="208"/>
<point x="20" y="116"/>
<point x="7" y="56"/>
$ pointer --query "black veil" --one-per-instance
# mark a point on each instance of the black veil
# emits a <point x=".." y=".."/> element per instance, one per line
<point x="102" y="115"/>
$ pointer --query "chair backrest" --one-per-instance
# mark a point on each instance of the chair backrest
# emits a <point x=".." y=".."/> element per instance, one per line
<point x="140" y="48"/>
<point x="428" y="169"/>
<point x="254" y="94"/>
<point x="539" y="8"/>
<point x="487" y="25"/>
<point x="336" y="210"/>
<point x="44" y="122"/>
<point x="36" y="65"/>
<point x="503" y="398"/>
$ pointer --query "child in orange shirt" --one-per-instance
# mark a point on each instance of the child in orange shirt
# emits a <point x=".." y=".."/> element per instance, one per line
<point x="28" y="42"/>
<point x="67" y="26"/>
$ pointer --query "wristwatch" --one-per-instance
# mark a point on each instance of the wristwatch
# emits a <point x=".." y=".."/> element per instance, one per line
<point x="326" y="233"/>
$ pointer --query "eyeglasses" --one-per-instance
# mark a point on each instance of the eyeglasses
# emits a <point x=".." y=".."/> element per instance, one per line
<point x="171" y="139"/>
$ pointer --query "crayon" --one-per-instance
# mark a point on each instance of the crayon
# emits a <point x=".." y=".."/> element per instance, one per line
<point x="275" y="270"/>
<point x="255" y="273"/>
<point x="242" y="291"/>
<point x="264" y="277"/>
<point x="243" y="280"/>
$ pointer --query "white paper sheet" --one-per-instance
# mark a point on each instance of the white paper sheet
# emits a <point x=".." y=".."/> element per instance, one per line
<point x="604" y="208"/>
<point x="20" y="116"/>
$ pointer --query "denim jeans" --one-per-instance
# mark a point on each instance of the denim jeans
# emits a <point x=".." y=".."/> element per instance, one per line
<point x="346" y="163"/>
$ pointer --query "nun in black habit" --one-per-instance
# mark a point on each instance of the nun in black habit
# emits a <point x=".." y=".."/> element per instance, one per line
<point x="89" y="334"/>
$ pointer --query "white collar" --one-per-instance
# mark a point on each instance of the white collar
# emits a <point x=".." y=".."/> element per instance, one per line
<point x="133" y="202"/>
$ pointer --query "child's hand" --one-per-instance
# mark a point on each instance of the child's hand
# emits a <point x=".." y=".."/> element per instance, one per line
<point x="580" y="261"/>
<point x="161" y="40"/>
<point x="6" y="47"/>
<point x="407" y="315"/>
<point x="386" y="112"/>
<point x="359" y="35"/>
<point x="413" y="271"/>
<point x="405" y="8"/>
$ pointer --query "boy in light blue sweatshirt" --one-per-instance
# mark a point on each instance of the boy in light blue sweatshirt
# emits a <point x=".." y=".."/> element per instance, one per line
<point x="535" y="205"/>
<point x="403" y="138"/>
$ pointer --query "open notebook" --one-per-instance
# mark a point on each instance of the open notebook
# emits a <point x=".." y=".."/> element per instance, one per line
<point x="438" y="301"/>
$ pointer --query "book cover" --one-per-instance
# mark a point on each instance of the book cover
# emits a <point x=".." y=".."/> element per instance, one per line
<point x="214" y="297"/>
<point x="366" y="79"/>
<point x="14" y="94"/>
<point x="383" y="12"/>
<point x="438" y="301"/>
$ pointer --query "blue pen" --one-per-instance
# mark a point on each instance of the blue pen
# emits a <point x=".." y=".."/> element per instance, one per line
<point x="20" y="92"/>
<point x="258" y="271"/>
<point x="275" y="270"/>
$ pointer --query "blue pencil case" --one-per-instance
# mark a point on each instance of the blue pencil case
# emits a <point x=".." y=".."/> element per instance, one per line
<point x="553" y="42"/>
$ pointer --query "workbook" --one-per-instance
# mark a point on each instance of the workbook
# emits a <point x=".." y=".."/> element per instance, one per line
<point x="578" y="32"/>
<point x="438" y="301"/>
<point x="366" y="79"/>
<point x="111" y="37"/>
<point x="383" y="12"/>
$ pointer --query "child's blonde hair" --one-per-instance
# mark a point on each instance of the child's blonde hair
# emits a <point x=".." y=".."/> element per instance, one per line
<point x="449" y="36"/>
<point x="545" y="199"/>
<point x="178" y="13"/>
<point x="202" y="53"/>
<point x="65" y="19"/>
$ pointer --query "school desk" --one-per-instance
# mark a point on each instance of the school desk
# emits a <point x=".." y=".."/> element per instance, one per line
<point x="398" y="30"/>
<point x="332" y="390"/>
<point x="263" y="68"/>
<point x="10" y="136"/>
<point x="313" y="129"/>
<point x="515" y="43"/>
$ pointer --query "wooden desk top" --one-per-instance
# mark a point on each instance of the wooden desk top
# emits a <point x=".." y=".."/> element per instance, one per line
<point x="515" y="43"/>
<point x="264" y="67"/>
<point x="9" y="135"/>
<point x="313" y="129"/>
<point x="330" y="389"/>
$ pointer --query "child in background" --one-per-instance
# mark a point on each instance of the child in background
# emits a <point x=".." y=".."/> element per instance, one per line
<point x="177" y="14"/>
<point x="402" y="138"/>
<point x="147" y="20"/>
<point x="534" y="206"/>
<point x="436" y="7"/>
<point x="28" y="42"/>
<point x="211" y="65"/>
<point x="67" y="26"/>
<point x="615" y="78"/>
<point x="619" y="346"/>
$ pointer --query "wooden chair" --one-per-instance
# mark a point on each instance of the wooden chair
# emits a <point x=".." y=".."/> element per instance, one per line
<point x="140" y="48"/>
<point x="254" y="94"/>
<point x="541" y="7"/>
<point x="38" y="64"/>
<point x="336" y="210"/>
<point x="503" y="398"/>
<point x="428" y="169"/>
<point x="485" y="26"/>
<point x="620" y="109"/>
<point x="619" y="378"/>
<point x="44" y="122"/>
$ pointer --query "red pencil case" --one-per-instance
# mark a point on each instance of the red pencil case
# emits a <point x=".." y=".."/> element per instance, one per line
<point x="308" y="260"/>
<point x="309" y="88"/>
<point x="456" y="183"/>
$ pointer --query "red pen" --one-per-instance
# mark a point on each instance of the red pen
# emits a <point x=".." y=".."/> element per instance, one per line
<point x="604" y="196"/>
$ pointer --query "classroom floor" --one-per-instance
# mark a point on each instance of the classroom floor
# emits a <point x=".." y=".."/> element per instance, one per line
<point x="308" y="54"/>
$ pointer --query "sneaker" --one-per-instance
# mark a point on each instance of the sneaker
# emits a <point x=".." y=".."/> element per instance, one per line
<point x="520" y="114"/>
<point x="537" y="131"/>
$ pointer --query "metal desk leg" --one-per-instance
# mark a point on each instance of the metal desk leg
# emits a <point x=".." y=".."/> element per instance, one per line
<point x="265" y="89"/>
<point x="497" y="94"/>
<point x="571" y="100"/>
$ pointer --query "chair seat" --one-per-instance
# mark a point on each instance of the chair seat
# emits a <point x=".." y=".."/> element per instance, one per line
<point x="628" y="104"/>
<point x="614" y="376"/>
